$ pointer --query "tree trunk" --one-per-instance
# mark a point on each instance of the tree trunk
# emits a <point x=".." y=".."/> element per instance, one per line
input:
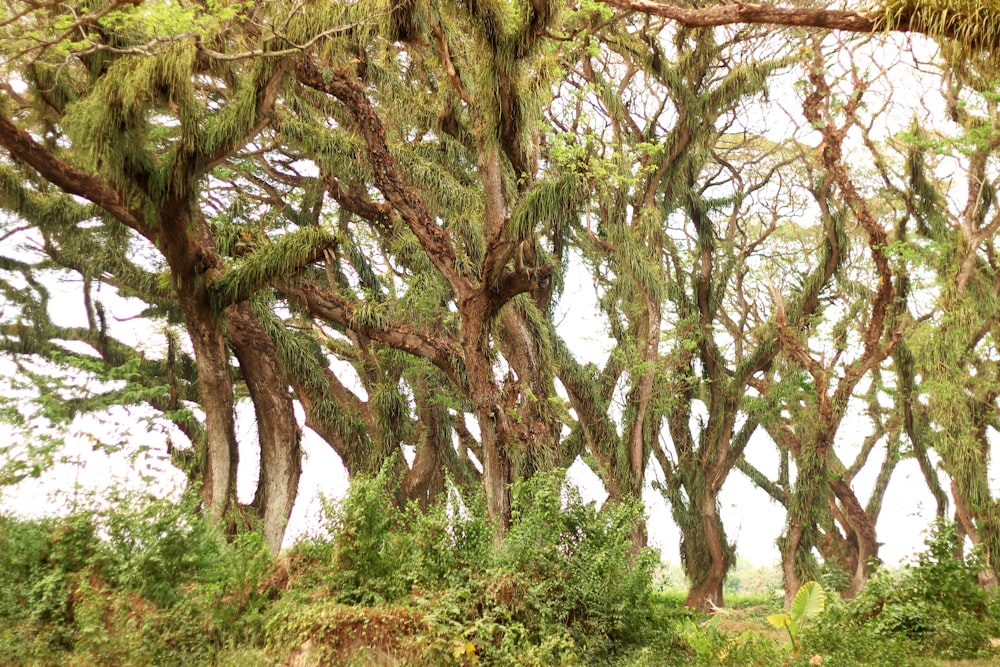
<point x="220" y="457"/>
<point x="706" y="555"/>
<point x="966" y="522"/>
<point x="799" y="538"/>
<point x="425" y="479"/>
<point x="789" y="545"/>
<point x="215" y="391"/>
<point x="861" y="541"/>
<point x="494" y="427"/>
<point x="536" y="425"/>
<point x="185" y="240"/>
<point x="277" y="430"/>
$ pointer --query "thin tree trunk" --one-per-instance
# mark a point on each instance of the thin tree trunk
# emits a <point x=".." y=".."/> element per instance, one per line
<point x="278" y="432"/>
<point x="966" y="521"/>
<point x="800" y="528"/>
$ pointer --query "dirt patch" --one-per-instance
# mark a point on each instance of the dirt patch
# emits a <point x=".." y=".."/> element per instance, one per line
<point x="337" y="635"/>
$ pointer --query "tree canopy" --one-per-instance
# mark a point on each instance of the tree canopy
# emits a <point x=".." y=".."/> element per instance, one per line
<point x="360" y="218"/>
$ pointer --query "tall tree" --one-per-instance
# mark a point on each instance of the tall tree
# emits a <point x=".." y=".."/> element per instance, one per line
<point x="954" y="349"/>
<point x="127" y="112"/>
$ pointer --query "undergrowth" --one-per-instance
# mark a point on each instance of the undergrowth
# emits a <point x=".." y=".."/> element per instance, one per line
<point x="150" y="582"/>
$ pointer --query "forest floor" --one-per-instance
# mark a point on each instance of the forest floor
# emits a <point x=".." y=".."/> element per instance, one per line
<point x="150" y="582"/>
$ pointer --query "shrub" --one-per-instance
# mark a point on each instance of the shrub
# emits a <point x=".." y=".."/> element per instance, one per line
<point x="142" y="581"/>
<point x="934" y="606"/>
<point x="40" y="560"/>
<point x="576" y="563"/>
<point x="155" y="547"/>
<point x="371" y="548"/>
<point x="562" y="587"/>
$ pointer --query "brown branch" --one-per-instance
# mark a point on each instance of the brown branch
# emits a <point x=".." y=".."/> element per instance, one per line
<point x="67" y="177"/>
<point x="449" y="65"/>
<point x="79" y="24"/>
<point x="398" y="336"/>
<point x="378" y="214"/>
<point x="410" y="206"/>
<point x="740" y="13"/>
<point x="815" y="108"/>
<point x="512" y="283"/>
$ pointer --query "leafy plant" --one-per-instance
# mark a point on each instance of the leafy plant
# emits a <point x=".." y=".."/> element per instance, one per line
<point x="809" y="602"/>
<point x="936" y="603"/>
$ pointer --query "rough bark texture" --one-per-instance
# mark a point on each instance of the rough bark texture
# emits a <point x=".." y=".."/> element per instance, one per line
<point x="278" y="432"/>
<point x="707" y="543"/>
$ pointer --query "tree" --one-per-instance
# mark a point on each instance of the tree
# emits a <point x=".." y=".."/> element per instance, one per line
<point x="186" y="122"/>
<point x="953" y="350"/>
<point x="971" y="25"/>
<point x="135" y="137"/>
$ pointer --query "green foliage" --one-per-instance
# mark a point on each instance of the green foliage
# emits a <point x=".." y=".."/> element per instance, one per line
<point x="569" y="567"/>
<point x="936" y="602"/>
<point x="155" y="547"/>
<point x="146" y="581"/>
<point x="841" y="644"/>
<point x="808" y="603"/>
<point x="370" y="557"/>
<point x="710" y="646"/>
<point x="561" y="588"/>
<point x="139" y="582"/>
<point x="271" y="261"/>
<point x="933" y="607"/>
<point x="974" y="24"/>
<point x="39" y="560"/>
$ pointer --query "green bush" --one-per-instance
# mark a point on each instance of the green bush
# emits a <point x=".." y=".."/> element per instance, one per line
<point x="708" y="646"/>
<point x="562" y="587"/>
<point x="934" y="607"/>
<point x="575" y="564"/>
<point x="155" y="547"/>
<point x="844" y="644"/>
<point x="141" y="581"/>
<point x="371" y="550"/>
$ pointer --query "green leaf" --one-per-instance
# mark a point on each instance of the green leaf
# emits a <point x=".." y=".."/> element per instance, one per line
<point x="780" y="621"/>
<point x="809" y="602"/>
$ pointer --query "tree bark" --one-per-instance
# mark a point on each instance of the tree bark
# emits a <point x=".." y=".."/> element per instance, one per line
<point x="494" y="427"/>
<point x="703" y="542"/>
<point x="277" y="430"/>
<point x="425" y="480"/>
<point x="810" y="17"/>
<point x="861" y="537"/>
<point x="186" y="242"/>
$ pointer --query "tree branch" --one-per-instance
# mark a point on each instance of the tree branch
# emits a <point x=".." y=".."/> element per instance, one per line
<point x="67" y="177"/>
<point x="739" y="13"/>
<point x="410" y="206"/>
<point x="340" y="311"/>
